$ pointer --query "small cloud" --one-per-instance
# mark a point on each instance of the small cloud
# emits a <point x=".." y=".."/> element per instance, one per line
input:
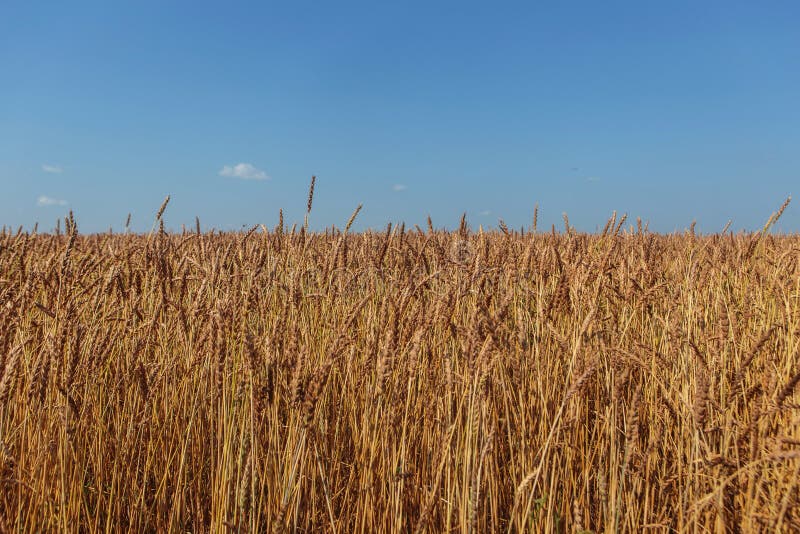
<point x="53" y="169"/>
<point x="592" y="179"/>
<point x="245" y="171"/>
<point x="399" y="187"/>
<point x="485" y="213"/>
<point x="44" y="201"/>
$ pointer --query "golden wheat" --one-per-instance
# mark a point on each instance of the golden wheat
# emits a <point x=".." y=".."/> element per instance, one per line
<point x="399" y="381"/>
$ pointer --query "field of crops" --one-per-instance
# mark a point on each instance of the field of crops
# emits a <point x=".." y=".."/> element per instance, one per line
<point x="400" y="381"/>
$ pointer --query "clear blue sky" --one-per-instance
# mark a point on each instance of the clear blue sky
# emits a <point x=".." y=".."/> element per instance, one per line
<point x="671" y="111"/>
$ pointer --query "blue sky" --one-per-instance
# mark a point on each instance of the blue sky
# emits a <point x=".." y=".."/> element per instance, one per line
<point x="671" y="111"/>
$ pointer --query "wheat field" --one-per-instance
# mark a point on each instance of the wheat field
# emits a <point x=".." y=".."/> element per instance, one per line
<point x="412" y="380"/>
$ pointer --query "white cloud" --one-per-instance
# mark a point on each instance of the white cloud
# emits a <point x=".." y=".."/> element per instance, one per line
<point x="399" y="187"/>
<point x="53" y="169"/>
<point x="245" y="171"/>
<point x="592" y="179"/>
<point x="44" y="201"/>
<point x="485" y="213"/>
